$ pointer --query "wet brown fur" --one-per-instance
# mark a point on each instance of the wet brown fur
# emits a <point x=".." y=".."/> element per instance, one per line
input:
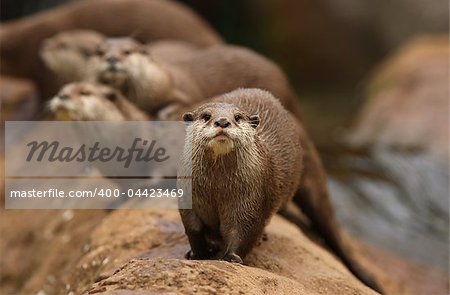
<point x="234" y="195"/>
<point x="234" y="199"/>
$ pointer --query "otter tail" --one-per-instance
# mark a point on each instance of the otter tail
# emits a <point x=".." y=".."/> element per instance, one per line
<point x="313" y="199"/>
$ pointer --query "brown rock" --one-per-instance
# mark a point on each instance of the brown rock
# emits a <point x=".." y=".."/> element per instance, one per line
<point x="37" y="246"/>
<point x="408" y="103"/>
<point x="390" y="179"/>
<point x="143" y="250"/>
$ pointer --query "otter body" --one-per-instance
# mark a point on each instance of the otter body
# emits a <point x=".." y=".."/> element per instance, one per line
<point x="147" y="20"/>
<point x="171" y="51"/>
<point x="84" y="101"/>
<point x="244" y="169"/>
<point x="155" y="84"/>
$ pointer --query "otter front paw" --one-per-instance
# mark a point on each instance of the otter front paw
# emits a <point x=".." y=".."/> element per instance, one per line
<point x="234" y="258"/>
<point x="192" y="256"/>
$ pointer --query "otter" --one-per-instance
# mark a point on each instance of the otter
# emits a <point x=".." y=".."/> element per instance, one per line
<point x="171" y="51"/>
<point x="145" y="79"/>
<point x="249" y="158"/>
<point x="66" y="53"/>
<point x="157" y="86"/>
<point x="84" y="101"/>
<point x="147" y="20"/>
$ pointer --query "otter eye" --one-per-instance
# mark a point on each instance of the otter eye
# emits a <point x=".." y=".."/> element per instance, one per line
<point x="127" y="52"/>
<point x="85" y="93"/>
<point x="206" y="117"/>
<point x="237" y="117"/>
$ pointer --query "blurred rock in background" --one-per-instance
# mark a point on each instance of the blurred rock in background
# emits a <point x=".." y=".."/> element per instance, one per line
<point x="390" y="180"/>
<point x="407" y="103"/>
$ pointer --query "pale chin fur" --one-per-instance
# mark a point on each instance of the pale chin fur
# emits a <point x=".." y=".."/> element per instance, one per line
<point x="221" y="146"/>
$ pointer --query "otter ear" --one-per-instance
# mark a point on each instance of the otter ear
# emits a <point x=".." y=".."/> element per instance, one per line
<point x="254" y="121"/>
<point x="188" y="117"/>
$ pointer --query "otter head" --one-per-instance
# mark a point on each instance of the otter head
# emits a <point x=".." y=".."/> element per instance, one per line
<point x="125" y="64"/>
<point x="222" y="128"/>
<point x="85" y="101"/>
<point x="66" y="53"/>
<point x="119" y="61"/>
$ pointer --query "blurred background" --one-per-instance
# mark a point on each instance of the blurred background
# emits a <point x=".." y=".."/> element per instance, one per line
<point x="327" y="47"/>
<point x="372" y="77"/>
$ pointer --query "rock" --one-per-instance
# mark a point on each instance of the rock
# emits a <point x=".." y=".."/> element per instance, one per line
<point x="156" y="240"/>
<point x="408" y="100"/>
<point x="142" y="250"/>
<point x="37" y="246"/>
<point x="389" y="181"/>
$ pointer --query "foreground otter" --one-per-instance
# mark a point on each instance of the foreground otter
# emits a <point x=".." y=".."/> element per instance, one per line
<point x="66" y="53"/>
<point x="249" y="158"/>
<point x="147" y="20"/>
<point x="85" y="101"/>
<point x="155" y="85"/>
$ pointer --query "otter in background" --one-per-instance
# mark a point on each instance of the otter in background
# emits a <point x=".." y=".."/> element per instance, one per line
<point x="85" y="101"/>
<point x="160" y="87"/>
<point x="66" y="53"/>
<point x="147" y="20"/>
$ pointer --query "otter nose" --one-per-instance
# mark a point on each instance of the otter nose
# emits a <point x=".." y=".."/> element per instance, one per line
<point x="222" y="122"/>
<point x="112" y="60"/>
<point x="63" y="96"/>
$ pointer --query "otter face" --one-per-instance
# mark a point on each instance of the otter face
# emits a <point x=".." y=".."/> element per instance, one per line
<point x="85" y="102"/>
<point x="115" y="60"/>
<point x="66" y="54"/>
<point x="222" y="127"/>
